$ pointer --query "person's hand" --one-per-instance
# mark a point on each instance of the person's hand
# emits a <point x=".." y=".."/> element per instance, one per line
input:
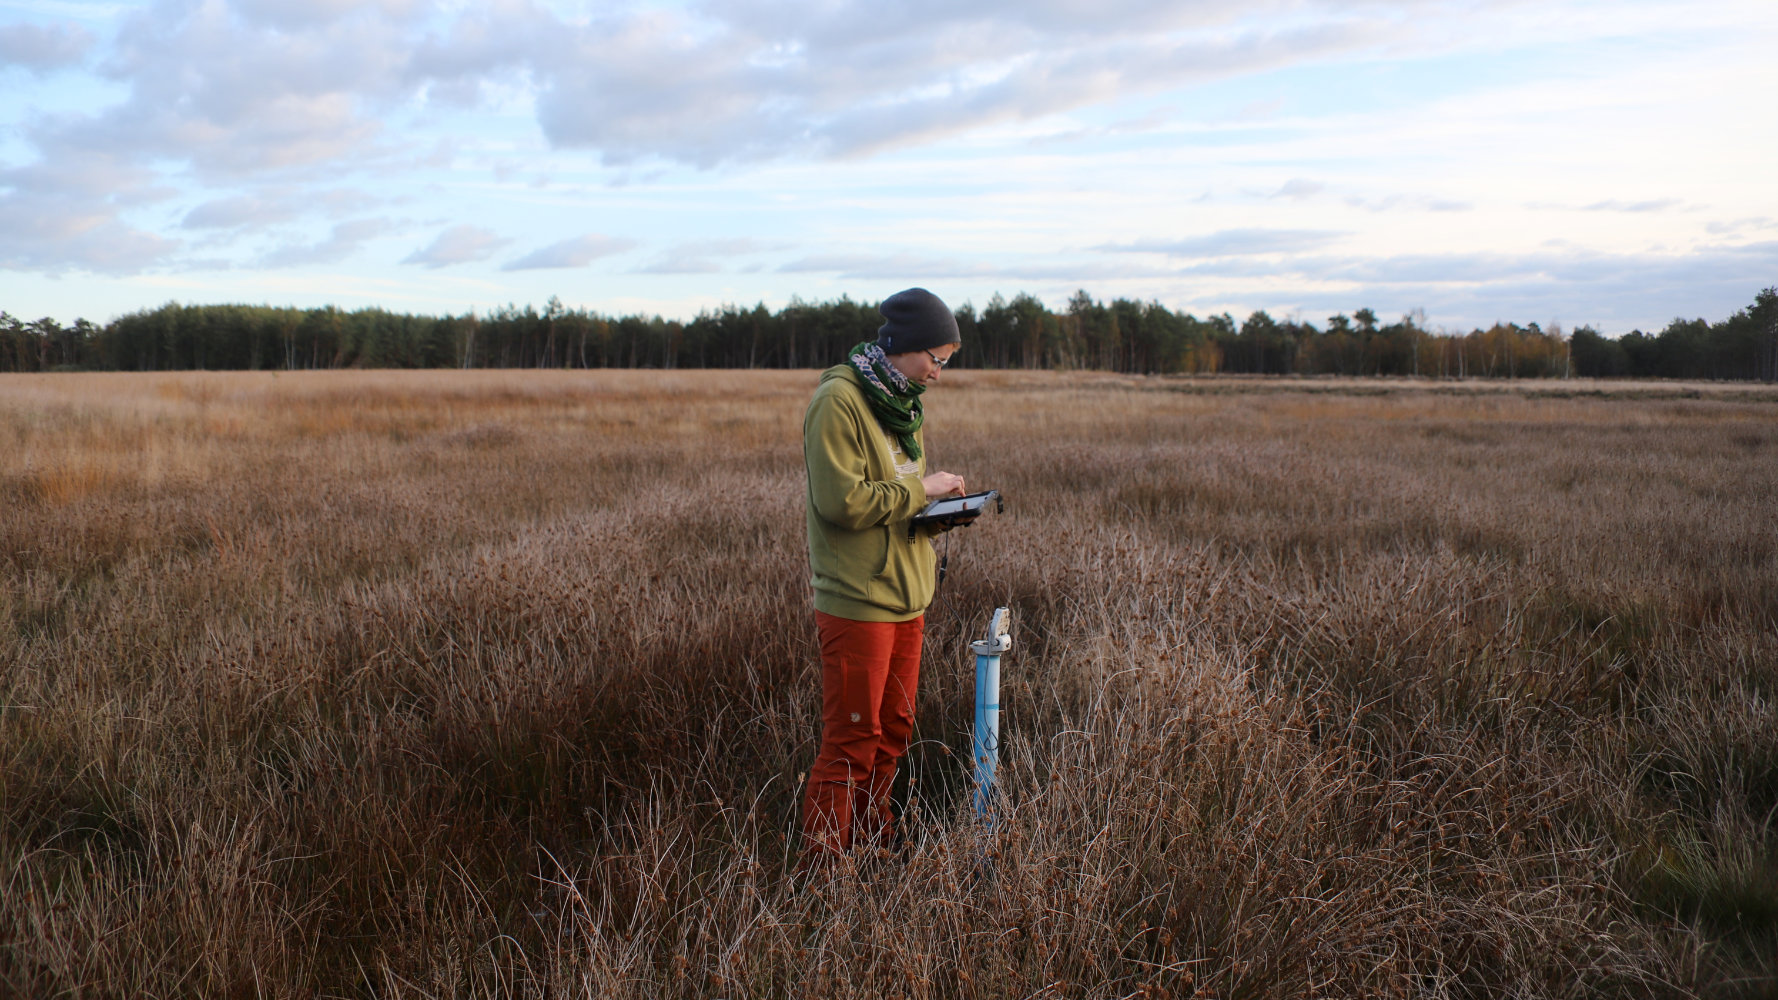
<point x="962" y="520"/>
<point x="942" y="484"/>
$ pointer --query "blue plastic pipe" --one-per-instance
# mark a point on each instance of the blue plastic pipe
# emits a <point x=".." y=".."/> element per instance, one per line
<point x="986" y="743"/>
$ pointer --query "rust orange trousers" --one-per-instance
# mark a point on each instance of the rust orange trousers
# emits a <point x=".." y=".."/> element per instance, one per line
<point x="869" y="674"/>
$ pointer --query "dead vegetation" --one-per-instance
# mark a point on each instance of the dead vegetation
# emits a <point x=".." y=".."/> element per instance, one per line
<point x="489" y="684"/>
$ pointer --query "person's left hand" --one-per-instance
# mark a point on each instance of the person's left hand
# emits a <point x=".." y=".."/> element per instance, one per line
<point x="965" y="518"/>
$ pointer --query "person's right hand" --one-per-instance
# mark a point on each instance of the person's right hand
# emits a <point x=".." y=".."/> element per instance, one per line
<point x="942" y="484"/>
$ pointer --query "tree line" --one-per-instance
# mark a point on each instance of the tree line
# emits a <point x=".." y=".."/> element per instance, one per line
<point x="1122" y="336"/>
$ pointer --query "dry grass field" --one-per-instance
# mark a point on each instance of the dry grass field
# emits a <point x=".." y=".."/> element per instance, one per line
<point x="441" y="684"/>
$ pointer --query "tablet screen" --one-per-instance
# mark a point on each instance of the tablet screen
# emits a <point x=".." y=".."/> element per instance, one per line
<point x="949" y="506"/>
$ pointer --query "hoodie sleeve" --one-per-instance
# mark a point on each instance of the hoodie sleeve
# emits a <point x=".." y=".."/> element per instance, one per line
<point x="834" y="449"/>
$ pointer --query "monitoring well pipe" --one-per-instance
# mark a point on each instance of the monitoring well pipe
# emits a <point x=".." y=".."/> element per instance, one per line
<point x="986" y="742"/>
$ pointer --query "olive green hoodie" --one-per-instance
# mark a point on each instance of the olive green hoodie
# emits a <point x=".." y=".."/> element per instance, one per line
<point x="862" y="491"/>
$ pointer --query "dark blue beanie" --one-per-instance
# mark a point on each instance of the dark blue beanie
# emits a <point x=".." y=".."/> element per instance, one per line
<point x="917" y="321"/>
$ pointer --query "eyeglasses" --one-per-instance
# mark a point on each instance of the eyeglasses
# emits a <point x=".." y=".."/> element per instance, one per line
<point x="940" y="362"/>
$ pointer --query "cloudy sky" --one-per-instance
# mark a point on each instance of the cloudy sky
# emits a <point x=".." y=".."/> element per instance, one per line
<point x="1610" y="163"/>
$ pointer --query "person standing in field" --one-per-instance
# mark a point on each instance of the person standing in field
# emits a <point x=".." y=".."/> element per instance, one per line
<point x="863" y="449"/>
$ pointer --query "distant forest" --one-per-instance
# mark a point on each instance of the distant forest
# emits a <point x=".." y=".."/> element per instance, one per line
<point x="1120" y="336"/>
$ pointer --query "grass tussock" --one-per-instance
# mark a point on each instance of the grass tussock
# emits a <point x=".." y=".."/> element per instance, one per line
<point x="503" y="684"/>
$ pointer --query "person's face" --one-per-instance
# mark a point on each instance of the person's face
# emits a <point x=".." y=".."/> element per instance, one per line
<point x="923" y="366"/>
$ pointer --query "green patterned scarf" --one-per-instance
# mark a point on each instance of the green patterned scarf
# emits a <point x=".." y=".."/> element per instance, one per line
<point x="894" y="400"/>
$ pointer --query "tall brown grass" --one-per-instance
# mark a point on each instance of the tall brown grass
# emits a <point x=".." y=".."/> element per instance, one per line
<point x="490" y="684"/>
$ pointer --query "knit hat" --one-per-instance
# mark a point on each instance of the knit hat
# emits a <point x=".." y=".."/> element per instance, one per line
<point x="917" y="321"/>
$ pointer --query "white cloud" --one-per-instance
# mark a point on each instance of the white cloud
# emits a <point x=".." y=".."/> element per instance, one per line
<point x="303" y="14"/>
<point x="346" y="239"/>
<point x="208" y="94"/>
<point x="458" y="245"/>
<point x="898" y="269"/>
<point x="739" y="246"/>
<point x="1299" y="189"/>
<point x="577" y="252"/>
<point x="704" y="256"/>
<point x="1474" y="289"/>
<point x="751" y="81"/>
<point x="1440" y="146"/>
<point x="73" y="218"/>
<point x="1232" y="243"/>
<point x="1615" y="205"/>
<point x="1724" y="228"/>
<point x="235" y="213"/>
<point x="55" y="237"/>
<point x="681" y="263"/>
<point x="894" y="267"/>
<point x="43" y="49"/>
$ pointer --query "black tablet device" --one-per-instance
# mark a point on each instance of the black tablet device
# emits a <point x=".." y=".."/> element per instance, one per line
<point x="957" y="510"/>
